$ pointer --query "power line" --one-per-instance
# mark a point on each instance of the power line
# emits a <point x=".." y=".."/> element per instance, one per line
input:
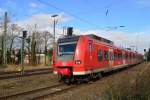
<point x="103" y="9"/>
<point x="73" y="15"/>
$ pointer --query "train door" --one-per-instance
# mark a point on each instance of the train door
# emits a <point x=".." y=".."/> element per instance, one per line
<point x="111" y="58"/>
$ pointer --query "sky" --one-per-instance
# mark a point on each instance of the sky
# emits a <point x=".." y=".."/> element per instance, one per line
<point x="100" y="17"/>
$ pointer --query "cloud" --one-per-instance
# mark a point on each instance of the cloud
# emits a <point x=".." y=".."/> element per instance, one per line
<point x="1" y="12"/>
<point x="33" y="5"/>
<point x="43" y="21"/>
<point x="123" y="39"/>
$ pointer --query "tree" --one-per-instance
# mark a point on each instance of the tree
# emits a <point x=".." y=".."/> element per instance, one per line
<point x="28" y="41"/>
<point x="33" y="48"/>
<point x="14" y="31"/>
<point x="1" y="53"/>
<point x="47" y="38"/>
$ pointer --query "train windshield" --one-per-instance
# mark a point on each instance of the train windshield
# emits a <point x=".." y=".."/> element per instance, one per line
<point x="66" y="48"/>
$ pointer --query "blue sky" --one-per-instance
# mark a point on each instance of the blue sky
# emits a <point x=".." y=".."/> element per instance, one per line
<point x="87" y="16"/>
<point x="133" y="14"/>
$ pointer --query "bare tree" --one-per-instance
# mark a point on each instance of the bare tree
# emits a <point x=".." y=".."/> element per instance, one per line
<point x="14" y="28"/>
<point x="33" y="49"/>
<point x="1" y="53"/>
<point x="47" y="38"/>
<point x="39" y="45"/>
<point x="13" y="35"/>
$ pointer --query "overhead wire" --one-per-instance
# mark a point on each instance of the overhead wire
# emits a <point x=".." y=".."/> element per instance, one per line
<point x="107" y="9"/>
<point x="71" y="14"/>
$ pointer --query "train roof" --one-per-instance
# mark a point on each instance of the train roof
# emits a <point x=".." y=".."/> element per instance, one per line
<point x="68" y="39"/>
<point x="76" y="37"/>
<point x="100" y="39"/>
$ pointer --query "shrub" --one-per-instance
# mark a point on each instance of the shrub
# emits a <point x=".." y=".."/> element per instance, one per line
<point x="129" y="88"/>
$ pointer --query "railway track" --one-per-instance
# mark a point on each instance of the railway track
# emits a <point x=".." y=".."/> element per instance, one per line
<point x="16" y="74"/>
<point x="39" y="93"/>
<point x="52" y="90"/>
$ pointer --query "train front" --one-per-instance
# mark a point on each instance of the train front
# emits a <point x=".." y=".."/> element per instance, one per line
<point x="63" y="59"/>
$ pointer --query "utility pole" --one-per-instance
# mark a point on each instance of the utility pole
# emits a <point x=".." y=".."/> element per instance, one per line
<point x="55" y="21"/>
<point x="64" y="30"/>
<point x="4" y="40"/>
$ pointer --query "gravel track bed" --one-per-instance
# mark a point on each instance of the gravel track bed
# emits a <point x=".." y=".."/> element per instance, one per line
<point x="17" y="85"/>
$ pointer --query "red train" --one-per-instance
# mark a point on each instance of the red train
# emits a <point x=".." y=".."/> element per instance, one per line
<point x="87" y="56"/>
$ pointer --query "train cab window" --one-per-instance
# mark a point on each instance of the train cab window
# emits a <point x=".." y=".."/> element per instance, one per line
<point x="105" y="55"/>
<point x="66" y="48"/>
<point x="99" y="54"/>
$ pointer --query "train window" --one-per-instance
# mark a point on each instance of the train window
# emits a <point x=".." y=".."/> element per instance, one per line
<point x="121" y="56"/>
<point x="99" y="53"/>
<point x="106" y="55"/>
<point x="115" y="56"/>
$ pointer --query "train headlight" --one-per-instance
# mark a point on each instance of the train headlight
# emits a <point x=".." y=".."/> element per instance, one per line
<point x="78" y="62"/>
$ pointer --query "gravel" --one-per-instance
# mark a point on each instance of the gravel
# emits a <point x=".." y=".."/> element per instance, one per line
<point x="17" y="85"/>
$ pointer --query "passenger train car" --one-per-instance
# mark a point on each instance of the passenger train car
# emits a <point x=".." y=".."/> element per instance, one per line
<point x="87" y="56"/>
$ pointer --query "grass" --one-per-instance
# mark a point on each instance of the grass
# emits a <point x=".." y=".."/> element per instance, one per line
<point x="129" y="88"/>
<point x="3" y="66"/>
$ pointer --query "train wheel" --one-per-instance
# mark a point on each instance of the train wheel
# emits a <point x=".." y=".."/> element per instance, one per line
<point x="59" y="76"/>
<point x="68" y="81"/>
<point x="86" y="79"/>
<point x="99" y="76"/>
<point x="79" y="80"/>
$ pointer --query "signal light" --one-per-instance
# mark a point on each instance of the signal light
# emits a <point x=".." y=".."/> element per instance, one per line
<point x="24" y="34"/>
<point x="69" y="31"/>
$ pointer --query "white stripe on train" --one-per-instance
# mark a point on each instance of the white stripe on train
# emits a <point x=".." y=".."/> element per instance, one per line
<point x="96" y="70"/>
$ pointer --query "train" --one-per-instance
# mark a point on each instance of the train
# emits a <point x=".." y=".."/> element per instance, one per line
<point x="84" y="57"/>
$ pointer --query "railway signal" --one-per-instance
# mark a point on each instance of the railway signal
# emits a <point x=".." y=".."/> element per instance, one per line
<point x="24" y="35"/>
<point x="69" y="31"/>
